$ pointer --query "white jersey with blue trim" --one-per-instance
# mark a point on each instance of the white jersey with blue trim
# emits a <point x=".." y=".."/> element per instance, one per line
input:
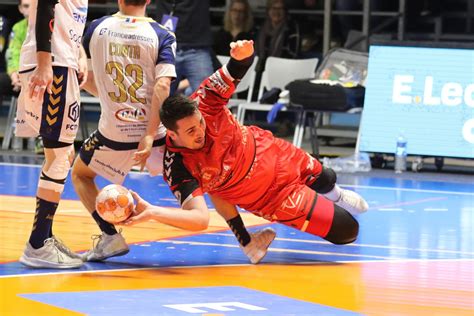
<point x="127" y="55"/>
<point x="70" y="18"/>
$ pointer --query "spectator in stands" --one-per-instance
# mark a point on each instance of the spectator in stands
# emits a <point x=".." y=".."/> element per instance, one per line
<point x="238" y="25"/>
<point x="279" y="36"/>
<point x="11" y="83"/>
<point x="5" y="84"/>
<point x="17" y="37"/>
<point x="190" y="21"/>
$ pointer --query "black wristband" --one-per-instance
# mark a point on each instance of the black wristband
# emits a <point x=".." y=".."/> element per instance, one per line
<point x="44" y="24"/>
<point x="238" y="228"/>
<point x="238" y="68"/>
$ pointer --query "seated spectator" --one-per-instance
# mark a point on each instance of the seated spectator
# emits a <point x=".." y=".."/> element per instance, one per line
<point x="5" y="85"/>
<point x="238" y="25"/>
<point x="12" y="56"/>
<point x="17" y="37"/>
<point x="279" y="36"/>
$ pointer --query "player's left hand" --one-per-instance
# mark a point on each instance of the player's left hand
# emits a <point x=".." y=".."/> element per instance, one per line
<point x="241" y="49"/>
<point x="143" y="151"/>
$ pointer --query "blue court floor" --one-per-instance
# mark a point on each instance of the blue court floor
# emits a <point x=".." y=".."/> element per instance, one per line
<point x="412" y="218"/>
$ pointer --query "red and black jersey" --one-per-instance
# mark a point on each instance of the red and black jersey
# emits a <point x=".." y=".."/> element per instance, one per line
<point x="246" y="166"/>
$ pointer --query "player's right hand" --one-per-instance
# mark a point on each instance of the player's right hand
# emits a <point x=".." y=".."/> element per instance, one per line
<point x="41" y="80"/>
<point x="241" y="49"/>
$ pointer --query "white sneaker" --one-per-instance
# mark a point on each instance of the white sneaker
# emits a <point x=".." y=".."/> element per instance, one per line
<point x="259" y="243"/>
<point x="352" y="202"/>
<point x="60" y="244"/>
<point x="48" y="256"/>
<point x="107" y="246"/>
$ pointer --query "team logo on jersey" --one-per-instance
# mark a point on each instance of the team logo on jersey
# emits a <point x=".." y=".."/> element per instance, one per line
<point x="73" y="112"/>
<point x="131" y="115"/>
<point x="79" y="17"/>
<point x="168" y="161"/>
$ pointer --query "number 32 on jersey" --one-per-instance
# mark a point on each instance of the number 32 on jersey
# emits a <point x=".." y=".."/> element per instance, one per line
<point x="118" y="72"/>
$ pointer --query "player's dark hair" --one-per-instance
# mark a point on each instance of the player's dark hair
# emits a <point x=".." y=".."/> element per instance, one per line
<point x="176" y="108"/>
<point x="135" y="2"/>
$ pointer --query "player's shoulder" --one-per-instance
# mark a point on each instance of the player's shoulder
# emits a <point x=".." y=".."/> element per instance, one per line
<point x="100" y="22"/>
<point x="172" y="158"/>
<point x="161" y="31"/>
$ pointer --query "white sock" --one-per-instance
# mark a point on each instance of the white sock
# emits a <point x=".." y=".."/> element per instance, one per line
<point x="333" y="195"/>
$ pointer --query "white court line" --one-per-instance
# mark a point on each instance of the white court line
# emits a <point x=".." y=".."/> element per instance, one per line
<point x="322" y="242"/>
<point x="405" y="189"/>
<point x="226" y="265"/>
<point x="310" y="252"/>
<point x="14" y="164"/>
<point x="435" y="209"/>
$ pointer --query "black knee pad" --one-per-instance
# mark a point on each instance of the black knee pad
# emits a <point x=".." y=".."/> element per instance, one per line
<point x="344" y="228"/>
<point x="325" y="182"/>
<point x="49" y="143"/>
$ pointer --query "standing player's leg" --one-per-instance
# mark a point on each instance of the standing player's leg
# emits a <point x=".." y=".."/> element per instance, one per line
<point x="110" y="242"/>
<point x="43" y="249"/>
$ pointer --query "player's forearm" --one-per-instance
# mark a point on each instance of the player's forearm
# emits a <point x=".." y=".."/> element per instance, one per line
<point x="90" y="85"/>
<point x="224" y="208"/>
<point x="238" y="68"/>
<point x="44" y="60"/>
<point x="82" y="53"/>
<point x="192" y="219"/>
<point x="44" y="25"/>
<point x="161" y="91"/>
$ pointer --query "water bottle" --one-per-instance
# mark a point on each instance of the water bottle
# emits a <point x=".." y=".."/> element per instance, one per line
<point x="401" y="155"/>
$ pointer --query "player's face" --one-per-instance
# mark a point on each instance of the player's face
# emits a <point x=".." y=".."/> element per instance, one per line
<point x="191" y="132"/>
<point x="238" y="14"/>
<point x="24" y="7"/>
<point x="277" y="12"/>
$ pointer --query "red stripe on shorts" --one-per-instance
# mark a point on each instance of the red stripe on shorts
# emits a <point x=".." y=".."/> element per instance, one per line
<point x="321" y="220"/>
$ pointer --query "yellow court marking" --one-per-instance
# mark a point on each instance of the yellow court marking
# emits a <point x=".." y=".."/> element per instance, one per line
<point x="74" y="225"/>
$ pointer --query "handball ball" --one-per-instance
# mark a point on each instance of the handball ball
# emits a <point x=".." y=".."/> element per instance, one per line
<point x="114" y="203"/>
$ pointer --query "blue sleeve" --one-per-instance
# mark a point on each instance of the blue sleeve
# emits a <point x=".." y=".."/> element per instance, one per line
<point x="167" y="45"/>
<point x="88" y="34"/>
